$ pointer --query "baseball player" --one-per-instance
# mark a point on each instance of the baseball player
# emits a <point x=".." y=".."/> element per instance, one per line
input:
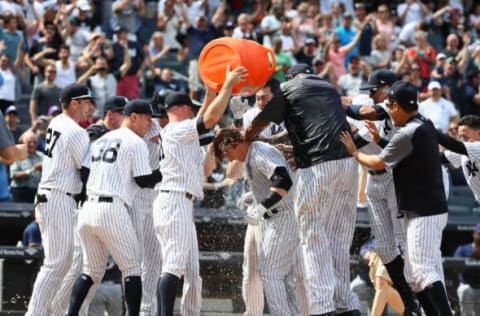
<point x="183" y="173"/>
<point x="112" y="119"/>
<point x="466" y="152"/>
<point x="119" y="167"/>
<point x="386" y="227"/>
<point x="270" y="180"/>
<point x="66" y="147"/>
<point x="142" y="218"/>
<point x="413" y="155"/>
<point x="252" y="289"/>
<point x="326" y="184"/>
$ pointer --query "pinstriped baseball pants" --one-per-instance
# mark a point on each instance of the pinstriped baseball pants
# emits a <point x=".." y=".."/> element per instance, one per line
<point x="142" y="218"/>
<point x="278" y="246"/>
<point x="389" y="231"/>
<point x="62" y="299"/>
<point x="175" y="228"/>
<point x="423" y="257"/>
<point x="326" y="206"/>
<point x="56" y="221"/>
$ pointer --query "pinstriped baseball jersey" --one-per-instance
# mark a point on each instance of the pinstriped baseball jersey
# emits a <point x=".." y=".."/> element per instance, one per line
<point x="278" y="236"/>
<point x="64" y="136"/>
<point x="182" y="166"/>
<point x="269" y="131"/>
<point x="113" y="154"/>
<point x="154" y="149"/>
<point x="262" y="159"/>
<point x="470" y="165"/>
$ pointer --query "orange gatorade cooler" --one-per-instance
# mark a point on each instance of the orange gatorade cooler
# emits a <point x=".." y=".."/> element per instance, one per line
<point x="217" y="54"/>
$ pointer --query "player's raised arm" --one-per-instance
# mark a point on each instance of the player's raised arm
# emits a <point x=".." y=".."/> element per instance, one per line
<point x="215" y="110"/>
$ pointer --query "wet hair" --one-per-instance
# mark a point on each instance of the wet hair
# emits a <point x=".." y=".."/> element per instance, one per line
<point x="224" y="137"/>
<point x="472" y="121"/>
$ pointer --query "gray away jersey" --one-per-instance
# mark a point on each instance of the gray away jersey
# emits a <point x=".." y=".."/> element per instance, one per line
<point x="470" y="165"/>
<point x="66" y="145"/>
<point x="182" y="163"/>
<point x="262" y="159"/>
<point x="117" y="158"/>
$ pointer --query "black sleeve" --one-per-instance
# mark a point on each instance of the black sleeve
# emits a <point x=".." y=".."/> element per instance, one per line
<point x="281" y="178"/>
<point x="149" y="180"/>
<point x="451" y="143"/>
<point x="206" y="139"/>
<point x="201" y="126"/>
<point x="444" y="159"/>
<point x="275" y="110"/>
<point x="82" y="196"/>
<point x="359" y="140"/>
<point x="381" y="113"/>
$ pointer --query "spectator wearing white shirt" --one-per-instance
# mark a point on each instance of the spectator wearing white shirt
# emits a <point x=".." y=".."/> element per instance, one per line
<point x="65" y="68"/>
<point x="412" y="11"/>
<point x="438" y="109"/>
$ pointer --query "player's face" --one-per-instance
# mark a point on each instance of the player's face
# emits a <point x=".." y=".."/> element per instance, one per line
<point x="141" y="124"/>
<point x="468" y="134"/>
<point x="378" y="95"/>
<point x="116" y="118"/>
<point x="85" y="109"/>
<point x="263" y="96"/>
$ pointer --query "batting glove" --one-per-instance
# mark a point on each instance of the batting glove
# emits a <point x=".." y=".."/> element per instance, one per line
<point x="238" y="107"/>
<point x="252" y="217"/>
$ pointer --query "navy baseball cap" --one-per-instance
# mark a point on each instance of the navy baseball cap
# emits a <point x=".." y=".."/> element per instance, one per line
<point x="75" y="91"/>
<point x="380" y="78"/>
<point x="137" y="106"/>
<point x="115" y="104"/>
<point x="299" y="69"/>
<point x="405" y="94"/>
<point x="178" y="98"/>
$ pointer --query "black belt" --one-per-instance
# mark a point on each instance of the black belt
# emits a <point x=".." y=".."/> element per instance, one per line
<point x="67" y="193"/>
<point x="103" y="199"/>
<point x="273" y="211"/>
<point x="377" y="172"/>
<point x="187" y="195"/>
<point x="42" y="198"/>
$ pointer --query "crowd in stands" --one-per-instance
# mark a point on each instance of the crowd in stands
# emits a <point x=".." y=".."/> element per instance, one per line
<point x="135" y="48"/>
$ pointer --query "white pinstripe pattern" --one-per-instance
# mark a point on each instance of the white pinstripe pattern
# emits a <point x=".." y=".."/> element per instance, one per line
<point x="67" y="145"/>
<point x="252" y="287"/>
<point x="389" y="231"/>
<point x="106" y="228"/>
<point x="62" y="298"/>
<point x="269" y="131"/>
<point x="423" y="258"/>
<point x="117" y="178"/>
<point x="182" y="167"/>
<point x="56" y="224"/>
<point x="173" y="220"/>
<point x="470" y="165"/>
<point x="142" y="219"/>
<point x="68" y="151"/>
<point x="325" y="203"/>
<point x="278" y="236"/>
<point x="277" y="253"/>
<point x="300" y="283"/>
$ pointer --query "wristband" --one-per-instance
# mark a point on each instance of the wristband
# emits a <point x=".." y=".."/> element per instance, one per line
<point x="28" y="172"/>
<point x="217" y="185"/>
<point x="353" y="110"/>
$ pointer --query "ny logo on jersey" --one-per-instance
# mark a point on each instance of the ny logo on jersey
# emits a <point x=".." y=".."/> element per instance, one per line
<point x="472" y="169"/>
